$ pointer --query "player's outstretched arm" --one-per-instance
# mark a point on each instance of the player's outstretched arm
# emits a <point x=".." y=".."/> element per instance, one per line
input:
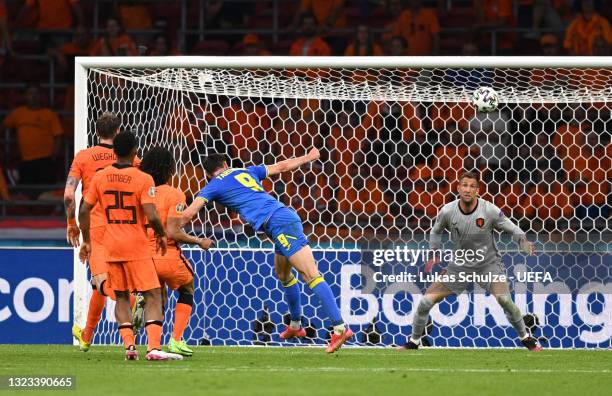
<point x="150" y="212"/>
<point x="293" y="163"/>
<point x="192" y="210"/>
<point x="175" y="232"/>
<point x="72" y="230"/>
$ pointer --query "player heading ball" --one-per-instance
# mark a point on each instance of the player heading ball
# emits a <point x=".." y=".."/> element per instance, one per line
<point x="240" y="190"/>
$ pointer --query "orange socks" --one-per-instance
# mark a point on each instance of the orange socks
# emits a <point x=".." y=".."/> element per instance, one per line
<point x="154" y="331"/>
<point x="182" y="313"/>
<point x="127" y="334"/>
<point x="96" y="306"/>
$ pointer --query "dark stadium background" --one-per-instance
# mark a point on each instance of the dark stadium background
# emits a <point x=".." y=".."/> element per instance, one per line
<point x="41" y="38"/>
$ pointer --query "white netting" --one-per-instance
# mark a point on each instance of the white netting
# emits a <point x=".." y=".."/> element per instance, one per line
<point x="393" y="142"/>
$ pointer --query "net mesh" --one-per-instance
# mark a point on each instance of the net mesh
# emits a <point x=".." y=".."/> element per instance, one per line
<point x="392" y="142"/>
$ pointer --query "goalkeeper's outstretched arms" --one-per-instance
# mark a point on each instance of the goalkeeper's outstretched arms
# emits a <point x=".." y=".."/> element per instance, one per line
<point x="293" y="163"/>
<point x="503" y="224"/>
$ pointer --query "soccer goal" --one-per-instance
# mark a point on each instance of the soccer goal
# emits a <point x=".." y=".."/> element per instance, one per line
<point x="394" y="134"/>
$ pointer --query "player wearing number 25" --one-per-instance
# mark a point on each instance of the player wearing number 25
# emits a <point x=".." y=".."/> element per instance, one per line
<point x="240" y="189"/>
<point x="126" y="196"/>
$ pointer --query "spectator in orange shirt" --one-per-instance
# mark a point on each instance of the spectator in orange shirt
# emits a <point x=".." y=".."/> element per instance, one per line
<point x="64" y="54"/>
<point x="53" y="14"/>
<point x="581" y="33"/>
<point x="252" y="46"/>
<point x="364" y="44"/>
<point x="496" y="14"/>
<point x="310" y="43"/>
<point x="328" y="13"/>
<point x="135" y="15"/>
<point x="397" y="46"/>
<point x="114" y="42"/>
<point x="420" y="27"/>
<point x="39" y="133"/>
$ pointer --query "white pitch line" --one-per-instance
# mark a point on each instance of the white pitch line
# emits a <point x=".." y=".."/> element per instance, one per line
<point x="376" y="369"/>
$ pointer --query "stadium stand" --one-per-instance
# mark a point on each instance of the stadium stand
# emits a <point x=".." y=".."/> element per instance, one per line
<point x="39" y="40"/>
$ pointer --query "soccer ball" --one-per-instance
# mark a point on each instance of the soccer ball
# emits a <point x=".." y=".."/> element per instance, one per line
<point x="485" y="99"/>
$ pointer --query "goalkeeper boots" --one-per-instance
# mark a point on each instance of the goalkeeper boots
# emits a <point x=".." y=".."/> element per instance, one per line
<point x="77" y="332"/>
<point x="409" y="345"/>
<point x="337" y="340"/>
<point x="179" y="347"/>
<point x="156" y="354"/>
<point x="532" y="344"/>
<point x="290" y="332"/>
<point x="131" y="353"/>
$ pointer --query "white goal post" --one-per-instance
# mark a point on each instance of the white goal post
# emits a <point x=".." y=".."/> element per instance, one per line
<point x="394" y="133"/>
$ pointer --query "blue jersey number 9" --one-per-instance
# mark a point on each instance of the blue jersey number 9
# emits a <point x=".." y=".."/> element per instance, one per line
<point x="247" y="180"/>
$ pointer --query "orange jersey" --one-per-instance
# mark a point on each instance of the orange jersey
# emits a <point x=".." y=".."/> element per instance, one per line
<point x="85" y="165"/>
<point x="36" y="130"/>
<point x="418" y="29"/>
<point x="581" y="33"/>
<point x="170" y="202"/>
<point x="53" y="14"/>
<point x="121" y="191"/>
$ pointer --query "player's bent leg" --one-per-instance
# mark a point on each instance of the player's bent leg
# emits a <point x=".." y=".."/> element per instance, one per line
<point x="291" y="288"/>
<point x="182" y="313"/>
<point x="153" y="326"/>
<point x="434" y="294"/>
<point x="501" y="292"/>
<point x="304" y="261"/>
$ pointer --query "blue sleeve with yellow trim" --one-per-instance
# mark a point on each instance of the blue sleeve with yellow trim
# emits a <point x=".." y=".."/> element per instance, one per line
<point x="259" y="172"/>
<point x="209" y="192"/>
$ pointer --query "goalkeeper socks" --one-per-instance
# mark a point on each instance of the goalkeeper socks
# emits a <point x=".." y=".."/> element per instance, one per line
<point x="328" y="301"/>
<point x="154" y="330"/>
<point x="513" y="313"/>
<point x="94" y="312"/>
<point x="127" y="334"/>
<point x="420" y="318"/>
<point x="182" y="312"/>
<point x="293" y="299"/>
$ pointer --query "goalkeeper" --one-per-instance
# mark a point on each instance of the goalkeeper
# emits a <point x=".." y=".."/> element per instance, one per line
<point x="471" y="221"/>
<point x="240" y="190"/>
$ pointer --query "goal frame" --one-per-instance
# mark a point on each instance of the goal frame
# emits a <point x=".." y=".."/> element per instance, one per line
<point x="84" y="64"/>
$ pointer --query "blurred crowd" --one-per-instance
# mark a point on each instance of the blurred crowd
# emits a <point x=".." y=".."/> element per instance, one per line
<point x="40" y="38"/>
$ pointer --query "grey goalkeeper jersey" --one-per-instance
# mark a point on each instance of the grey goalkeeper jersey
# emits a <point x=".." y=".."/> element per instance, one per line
<point x="473" y="232"/>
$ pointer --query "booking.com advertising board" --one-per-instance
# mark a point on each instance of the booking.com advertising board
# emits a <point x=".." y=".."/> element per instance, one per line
<point x="573" y="303"/>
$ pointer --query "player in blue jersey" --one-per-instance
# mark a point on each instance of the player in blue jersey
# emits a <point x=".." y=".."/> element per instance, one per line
<point x="240" y="190"/>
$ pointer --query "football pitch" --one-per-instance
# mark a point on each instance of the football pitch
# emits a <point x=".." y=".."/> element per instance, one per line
<point x="309" y="371"/>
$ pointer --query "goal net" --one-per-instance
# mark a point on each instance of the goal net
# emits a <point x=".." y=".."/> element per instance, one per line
<point x="394" y="134"/>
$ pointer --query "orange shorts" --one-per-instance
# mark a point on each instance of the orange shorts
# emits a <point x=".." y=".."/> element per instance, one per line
<point x="133" y="276"/>
<point x="97" y="260"/>
<point x="174" y="272"/>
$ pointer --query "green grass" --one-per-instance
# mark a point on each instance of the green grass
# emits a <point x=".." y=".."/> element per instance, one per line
<point x="309" y="371"/>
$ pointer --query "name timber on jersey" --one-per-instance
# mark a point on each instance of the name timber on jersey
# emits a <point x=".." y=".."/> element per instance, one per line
<point x="84" y="167"/>
<point x="473" y="230"/>
<point x="240" y="190"/>
<point x="125" y="237"/>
